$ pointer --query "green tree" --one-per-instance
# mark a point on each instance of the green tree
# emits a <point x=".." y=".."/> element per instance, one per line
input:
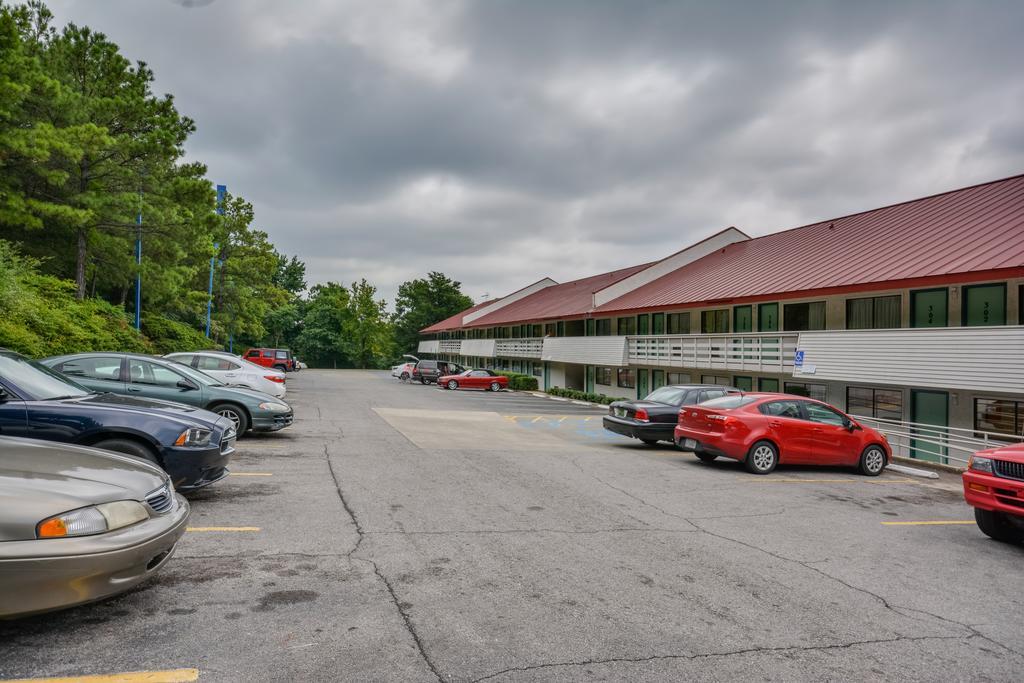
<point x="367" y="336"/>
<point x="421" y="303"/>
<point x="321" y="341"/>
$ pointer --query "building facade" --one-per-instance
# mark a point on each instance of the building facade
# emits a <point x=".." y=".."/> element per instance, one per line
<point x="910" y="315"/>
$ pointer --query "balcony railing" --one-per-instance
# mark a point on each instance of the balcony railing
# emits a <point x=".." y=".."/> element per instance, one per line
<point x="452" y="346"/>
<point x="428" y="346"/>
<point x="529" y="347"/>
<point x="766" y="352"/>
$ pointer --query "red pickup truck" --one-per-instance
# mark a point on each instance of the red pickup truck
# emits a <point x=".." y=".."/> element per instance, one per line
<point x="281" y="359"/>
<point x="994" y="487"/>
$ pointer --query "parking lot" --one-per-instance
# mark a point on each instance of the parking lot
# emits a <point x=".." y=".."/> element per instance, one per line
<point x="401" y="532"/>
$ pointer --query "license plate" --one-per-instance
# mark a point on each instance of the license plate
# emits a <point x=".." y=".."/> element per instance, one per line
<point x="690" y="443"/>
<point x="620" y="412"/>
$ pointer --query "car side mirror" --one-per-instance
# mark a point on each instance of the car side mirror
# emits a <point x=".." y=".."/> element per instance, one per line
<point x="852" y="426"/>
<point x="186" y="385"/>
<point x="4" y="396"/>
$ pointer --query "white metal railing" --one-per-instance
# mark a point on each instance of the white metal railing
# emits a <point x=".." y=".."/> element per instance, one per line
<point x="527" y="347"/>
<point x="453" y="346"/>
<point x="946" y="445"/>
<point x="764" y="352"/>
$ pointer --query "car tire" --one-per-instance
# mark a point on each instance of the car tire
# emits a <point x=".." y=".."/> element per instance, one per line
<point x="452" y="384"/>
<point x="495" y="386"/>
<point x="424" y="380"/>
<point x="872" y="461"/>
<point x="997" y="527"/>
<point x="129" y="447"/>
<point x="706" y="457"/>
<point x="762" y="458"/>
<point x="234" y="413"/>
<point x="404" y="377"/>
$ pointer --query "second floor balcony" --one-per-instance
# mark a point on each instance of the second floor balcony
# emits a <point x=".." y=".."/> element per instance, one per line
<point x="767" y="352"/>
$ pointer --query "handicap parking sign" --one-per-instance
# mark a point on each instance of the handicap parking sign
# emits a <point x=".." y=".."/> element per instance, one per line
<point x="798" y="358"/>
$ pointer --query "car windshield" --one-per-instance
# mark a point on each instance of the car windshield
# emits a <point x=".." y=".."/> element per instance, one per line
<point x="200" y="377"/>
<point x="729" y="402"/>
<point x="39" y="382"/>
<point x="670" y="395"/>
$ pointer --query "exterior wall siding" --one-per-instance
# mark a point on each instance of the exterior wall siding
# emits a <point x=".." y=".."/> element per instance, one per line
<point x="586" y="350"/>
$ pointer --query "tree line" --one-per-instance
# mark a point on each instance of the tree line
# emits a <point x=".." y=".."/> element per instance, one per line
<point x="92" y="161"/>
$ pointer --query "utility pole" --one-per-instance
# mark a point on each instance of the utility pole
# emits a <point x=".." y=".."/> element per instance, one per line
<point x="138" y="266"/>
<point x="221" y="192"/>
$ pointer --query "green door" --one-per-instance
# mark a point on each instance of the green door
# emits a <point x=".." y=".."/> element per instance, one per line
<point x="768" y="318"/>
<point x="657" y="379"/>
<point x="743" y="383"/>
<point x="547" y="376"/>
<point x="658" y="323"/>
<point x="984" y="305"/>
<point x="929" y="408"/>
<point x="769" y="384"/>
<point x="590" y="379"/>
<point x="643" y="324"/>
<point x="929" y="308"/>
<point x="642" y="385"/>
<point x="743" y="319"/>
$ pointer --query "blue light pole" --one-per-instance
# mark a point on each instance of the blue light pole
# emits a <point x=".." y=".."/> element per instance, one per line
<point x="138" y="265"/>
<point x="221" y="192"/>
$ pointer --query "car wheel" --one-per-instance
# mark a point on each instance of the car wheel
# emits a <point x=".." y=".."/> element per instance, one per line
<point x="404" y="377"/>
<point x="706" y="457"/>
<point x="872" y="461"/>
<point x="235" y="414"/>
<point x="996" y="526"/>
<point x="452" y="384"/>
<point x="495" y="386"/>
<point x="129" y="447"/>
<point x="423" y="380"/>
<point x="762" y="458"/>
<point x="282" y="368"/>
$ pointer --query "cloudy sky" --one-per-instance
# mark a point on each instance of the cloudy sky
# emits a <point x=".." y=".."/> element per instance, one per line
<point x="501" y="141"/>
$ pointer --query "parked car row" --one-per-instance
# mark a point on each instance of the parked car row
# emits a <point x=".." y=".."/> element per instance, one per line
<point x="448" y="375"/>
<point x="765" y="430"/>
<point x="95" y="452"/>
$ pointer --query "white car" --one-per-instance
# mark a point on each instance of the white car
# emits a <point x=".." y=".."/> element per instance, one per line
<point x="233" y="370"/>
<point x="402" y="371"/>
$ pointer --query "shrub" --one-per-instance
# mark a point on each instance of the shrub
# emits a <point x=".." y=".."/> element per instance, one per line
<point x="168" y="335"/>
<point x="577" y="395"/>
<point x="521" y="382"/>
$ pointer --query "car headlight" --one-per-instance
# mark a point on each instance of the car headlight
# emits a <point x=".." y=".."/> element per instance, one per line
<point x="979" y="464"/>
<point x="194" y="437"/>
<point x="96" y="519"/>
<point x="275" y="407"/>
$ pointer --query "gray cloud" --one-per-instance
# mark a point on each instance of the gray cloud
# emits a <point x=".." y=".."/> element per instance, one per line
<point x="501" y="142"/>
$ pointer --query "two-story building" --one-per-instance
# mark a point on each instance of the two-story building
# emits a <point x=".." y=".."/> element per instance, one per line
<point x="910" y="314"/>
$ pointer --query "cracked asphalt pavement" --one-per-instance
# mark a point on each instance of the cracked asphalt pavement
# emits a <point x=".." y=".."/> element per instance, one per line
<point x="412" y="534"/>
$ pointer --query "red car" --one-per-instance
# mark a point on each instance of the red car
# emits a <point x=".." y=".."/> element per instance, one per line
<point x="765" y="430"/>
<point x="994" y="487"/>
<point x="280" y="359"/>
<point x="474" y="379"/>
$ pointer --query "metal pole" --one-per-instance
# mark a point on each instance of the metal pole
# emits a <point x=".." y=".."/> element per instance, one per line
<point x="138" y="265"/>
<point x="209" y="293"/>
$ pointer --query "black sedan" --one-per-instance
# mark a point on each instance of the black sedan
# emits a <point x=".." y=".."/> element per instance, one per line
<point x="654" y="418"/>
<point x="193" y="446"/>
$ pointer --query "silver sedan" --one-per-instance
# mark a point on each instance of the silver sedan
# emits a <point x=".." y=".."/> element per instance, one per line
<point x="79" y="524"/>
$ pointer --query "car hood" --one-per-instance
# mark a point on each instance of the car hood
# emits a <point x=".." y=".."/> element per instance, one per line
<point x="1011" y="453"/>
<point x="187" y="415"/>
<point x="39" y="479"/>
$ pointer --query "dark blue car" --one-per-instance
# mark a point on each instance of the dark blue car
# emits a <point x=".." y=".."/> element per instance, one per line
<point x="192" y="445"/>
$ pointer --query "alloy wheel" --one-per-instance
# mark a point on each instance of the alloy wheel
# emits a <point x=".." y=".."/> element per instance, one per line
<point x="231" y="415"/>
<point x="763" y="457"/>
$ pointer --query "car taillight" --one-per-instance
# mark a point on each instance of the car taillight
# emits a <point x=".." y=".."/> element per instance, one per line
<point x="641" y="415"/>
<point x="274" y="378"/>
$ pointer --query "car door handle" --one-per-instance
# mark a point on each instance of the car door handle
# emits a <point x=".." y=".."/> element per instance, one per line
<point x="774" y="424"/>
<point x="135" y="389"/>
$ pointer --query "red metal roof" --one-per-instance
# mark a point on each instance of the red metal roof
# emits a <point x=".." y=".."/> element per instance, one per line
<point x="565" y="300"/>
<point x="971" y="230"/>
<point x="455" y="322"/>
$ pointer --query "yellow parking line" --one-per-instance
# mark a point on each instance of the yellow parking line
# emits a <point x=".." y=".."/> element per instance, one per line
<point x="222" y="528"/>
<point x="169" y="676"/>
<point x="936" y="523"/>
<point x="250" y="474"/>
<point x="536" y="419"/>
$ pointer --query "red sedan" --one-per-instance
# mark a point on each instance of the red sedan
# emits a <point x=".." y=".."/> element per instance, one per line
<point x="474" y="379"/>
<point x="765" y="430"/>
<point x="994" y="487"/>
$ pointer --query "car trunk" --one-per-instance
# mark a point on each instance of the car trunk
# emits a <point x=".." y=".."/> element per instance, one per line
<point x="702" y="419"/>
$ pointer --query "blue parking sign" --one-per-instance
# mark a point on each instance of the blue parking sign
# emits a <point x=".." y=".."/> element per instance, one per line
<point x="798" y="358"/>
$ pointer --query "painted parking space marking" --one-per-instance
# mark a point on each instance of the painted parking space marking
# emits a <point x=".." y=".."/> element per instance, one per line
<point x="222" y="528"/>
<point x="167" y="676"/>
<point x="947" y="522"/>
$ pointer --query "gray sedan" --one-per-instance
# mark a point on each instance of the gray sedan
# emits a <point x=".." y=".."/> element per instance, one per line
<point x="79" y="524"/>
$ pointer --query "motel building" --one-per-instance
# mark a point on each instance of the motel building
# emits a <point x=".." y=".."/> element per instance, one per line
<point x="909" y="316"/>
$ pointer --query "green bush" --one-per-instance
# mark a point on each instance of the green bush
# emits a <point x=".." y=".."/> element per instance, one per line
<point x="168" y="336"/>
<point x="521" y="382"/>
<point x="577" y="395"/>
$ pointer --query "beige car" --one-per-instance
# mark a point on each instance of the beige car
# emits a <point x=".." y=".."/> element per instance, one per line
<point x="79" y="524"/>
